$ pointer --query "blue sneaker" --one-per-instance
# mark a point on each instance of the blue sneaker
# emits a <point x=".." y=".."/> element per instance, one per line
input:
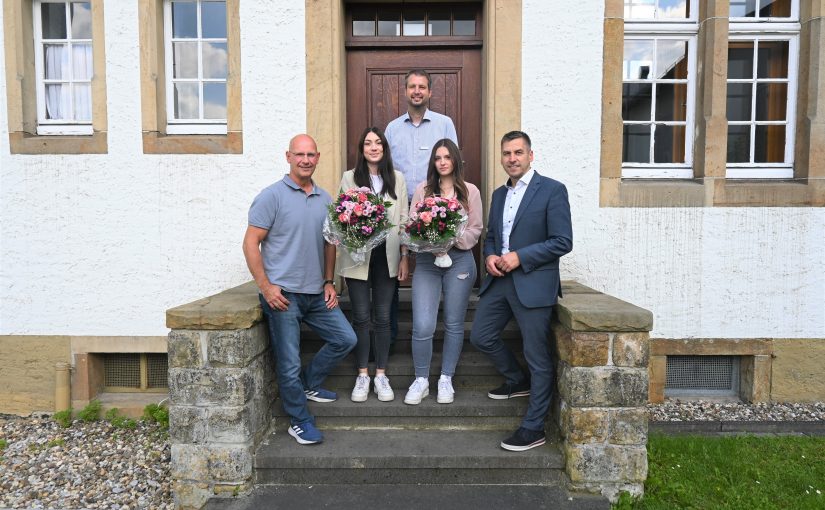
<point x="306" y="433"/>
<point x="321" y="395"/>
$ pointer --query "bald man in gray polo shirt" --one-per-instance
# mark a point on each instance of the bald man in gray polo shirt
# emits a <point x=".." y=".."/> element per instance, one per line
<point x="294" y="268"/>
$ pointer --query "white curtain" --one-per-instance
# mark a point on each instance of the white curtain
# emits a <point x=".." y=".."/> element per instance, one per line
<point x="58" y="95"/>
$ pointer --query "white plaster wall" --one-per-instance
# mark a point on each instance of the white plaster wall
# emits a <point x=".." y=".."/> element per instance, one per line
<point x="104" y="244"/>
<point x="703" y="272"/>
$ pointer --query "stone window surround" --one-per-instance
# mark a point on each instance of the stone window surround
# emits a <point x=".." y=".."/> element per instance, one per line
<point x="326" y="90"/>
<point x="754" y="369"/>
<point x="153" y="88"/>
<point x="709" y="187"/>
<point x="21" y="82"/>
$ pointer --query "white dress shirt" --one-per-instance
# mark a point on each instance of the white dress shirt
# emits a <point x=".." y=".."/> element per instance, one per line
<point x="511" y="205"/>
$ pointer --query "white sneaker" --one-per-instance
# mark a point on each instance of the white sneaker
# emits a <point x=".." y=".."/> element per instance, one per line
<point x="361" y="389"/>
<point x="419" y="389"/>
<point x="381" y="383"/>
<point x="446" y="392"/>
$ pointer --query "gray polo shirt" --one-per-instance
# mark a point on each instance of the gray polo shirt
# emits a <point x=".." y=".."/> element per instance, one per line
<point x="411" y="145"/>
<point x="293" y="250"/>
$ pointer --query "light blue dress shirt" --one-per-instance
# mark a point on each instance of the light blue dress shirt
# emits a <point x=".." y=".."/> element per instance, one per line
<point x="411" y="145"/>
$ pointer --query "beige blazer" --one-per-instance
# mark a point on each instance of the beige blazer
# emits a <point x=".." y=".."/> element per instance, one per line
<point x="397" y="214"/>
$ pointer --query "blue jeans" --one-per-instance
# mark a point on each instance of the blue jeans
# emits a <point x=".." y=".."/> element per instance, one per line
<point x="372" y="295"/>
<point x="285" y="337"/>
<point x="496" y="307"/>
<point x="429" y="281"/>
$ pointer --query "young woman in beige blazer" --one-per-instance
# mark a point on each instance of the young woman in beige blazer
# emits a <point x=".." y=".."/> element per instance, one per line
<point x="371" y="284"/>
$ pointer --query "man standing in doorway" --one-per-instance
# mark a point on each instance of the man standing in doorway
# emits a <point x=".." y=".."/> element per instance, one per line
<point x="528" y="231"/>
<point x="412" y="137"/>
<point x="413" y="134"/>
<point x="294" y="269"/>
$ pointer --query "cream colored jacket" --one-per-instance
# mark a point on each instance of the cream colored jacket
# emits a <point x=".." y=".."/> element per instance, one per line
<point x="397" y="215"/>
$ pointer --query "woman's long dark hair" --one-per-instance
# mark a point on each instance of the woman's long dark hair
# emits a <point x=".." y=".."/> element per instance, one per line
<point x="432" y="187"/>
<point x="385" y="169"/>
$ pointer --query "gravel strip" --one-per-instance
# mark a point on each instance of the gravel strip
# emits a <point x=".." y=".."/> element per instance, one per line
<point x="702" y="410"/>
<point x="88" y="465"/>
<point x="97" y="466"/>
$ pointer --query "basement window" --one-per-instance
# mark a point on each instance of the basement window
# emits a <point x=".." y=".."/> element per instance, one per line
<point x="702" y="376"/>
<point x="130" y="372"/>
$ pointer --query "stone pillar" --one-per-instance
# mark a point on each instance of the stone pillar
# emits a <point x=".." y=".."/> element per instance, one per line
<point x="602" y="348"/>
<point x="220" y="392"/>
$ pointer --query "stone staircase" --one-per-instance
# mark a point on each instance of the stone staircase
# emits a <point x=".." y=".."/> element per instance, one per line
<point x="377" y="442"/>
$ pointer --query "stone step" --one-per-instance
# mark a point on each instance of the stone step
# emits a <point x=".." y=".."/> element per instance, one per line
<point x="474" y="370"/>
<point x="471" y="410"/>
<point x="412" y="497"/>
<point x="404" y="457"/>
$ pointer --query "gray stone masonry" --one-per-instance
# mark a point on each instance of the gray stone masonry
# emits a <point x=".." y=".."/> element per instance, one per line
<point x="221" y="392"/>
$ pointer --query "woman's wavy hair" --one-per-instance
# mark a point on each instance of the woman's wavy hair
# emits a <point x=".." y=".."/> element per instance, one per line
<point x="385" y="168"/>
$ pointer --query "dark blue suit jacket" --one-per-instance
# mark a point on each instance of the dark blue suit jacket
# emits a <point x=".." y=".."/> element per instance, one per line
<point x="542" y="232"/>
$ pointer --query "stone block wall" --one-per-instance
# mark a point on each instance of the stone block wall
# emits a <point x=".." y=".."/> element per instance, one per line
<point x="220" y="391"/>
<point x="602" y="348"/>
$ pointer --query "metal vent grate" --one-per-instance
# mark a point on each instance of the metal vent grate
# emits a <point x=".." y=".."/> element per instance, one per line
<point x="122" y="370"/>
<point x="714" y="373"/>
<point x="157" y="368"/>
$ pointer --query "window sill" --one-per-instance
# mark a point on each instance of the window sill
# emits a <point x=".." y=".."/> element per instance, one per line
<point x="158" y="143"/>
<point x="21" y="142"/>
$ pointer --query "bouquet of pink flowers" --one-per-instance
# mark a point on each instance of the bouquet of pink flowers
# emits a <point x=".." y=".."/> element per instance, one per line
<point x="434" y="227"/>
<point x="358" y="221"/>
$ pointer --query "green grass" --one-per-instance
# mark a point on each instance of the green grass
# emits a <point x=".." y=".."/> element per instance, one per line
<point x="64" y="418"/>
<point x="157" y="414"/>
<point x="733" y="472"/>
<point x="3" y="444"/>
<point x="91" y="412"/>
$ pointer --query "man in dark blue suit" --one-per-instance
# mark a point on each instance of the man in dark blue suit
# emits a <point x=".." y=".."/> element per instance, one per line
<point x="528" y="231"/>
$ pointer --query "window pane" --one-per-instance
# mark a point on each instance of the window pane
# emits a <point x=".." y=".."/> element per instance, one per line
<point x="464" y="22"/>
<point x="638" y="59"/>
<point x="186" y="100"/>
<point x="82" y="61"/>
<point x="769" y="146"/>
<point x="81" y="20"/>
<point x="669" y="146"/>
<point x="363" y="23"/>
<point x="213" y="20"/>
<point x="739" y="101"/>
<point x="214" y="100"/>
<point x="185" y="60"/>
<point x="57" y="101"/>
<point x="184" y="19"/>
<point x="772" y="59"/>
<point x="388" y="23"/>
<point x="742" y="8"/>
<point x="56" y="61"/>
<point x="414" y="22"/>
<point x="671" y="59"/>
<point x="775" y="9"/>
<point x="672" y="9"/>
<point x="639" y="9"/>
<point x="771" y="101"/>
<point x="636" y="144"/>
<point x="82" y="102"/>
<point x="214" y="60"/>
<point x="53" y="18"/>
<point x="636" y="101"/>
<point x="739" y="144"/>
<point x="439" y="22"/>
<point x="740" y="60"/>
<point x="671" y="101"/>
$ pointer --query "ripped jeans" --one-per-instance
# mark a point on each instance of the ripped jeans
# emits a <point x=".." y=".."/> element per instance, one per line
<point x="428" y="282"/>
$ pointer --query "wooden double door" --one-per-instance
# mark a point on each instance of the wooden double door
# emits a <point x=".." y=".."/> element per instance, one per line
<point x="376" y="95"/>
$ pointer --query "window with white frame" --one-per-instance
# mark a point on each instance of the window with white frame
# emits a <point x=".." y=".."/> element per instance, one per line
<point x="63" y="66"/>
<point x="658" y="82"/>
<point x="196" y="66"/>
<point x="761" y="88"/>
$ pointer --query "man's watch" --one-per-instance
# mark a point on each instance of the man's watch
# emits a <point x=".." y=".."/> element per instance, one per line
<point x="331" y="282"/>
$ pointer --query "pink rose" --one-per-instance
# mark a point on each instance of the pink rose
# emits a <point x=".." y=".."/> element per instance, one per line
<point x="358" y="210"/>
<point x="362" y="197"/>
<point x="343" y="218"/>
<point x="426" y="217"/>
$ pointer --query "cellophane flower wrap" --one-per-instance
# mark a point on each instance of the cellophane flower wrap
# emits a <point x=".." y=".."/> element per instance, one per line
<point x="434" y="227"/>
<point x="357" y="220"/>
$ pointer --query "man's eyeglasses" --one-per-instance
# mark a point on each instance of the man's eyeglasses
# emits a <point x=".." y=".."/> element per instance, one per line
<point x="304" y="155"/>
